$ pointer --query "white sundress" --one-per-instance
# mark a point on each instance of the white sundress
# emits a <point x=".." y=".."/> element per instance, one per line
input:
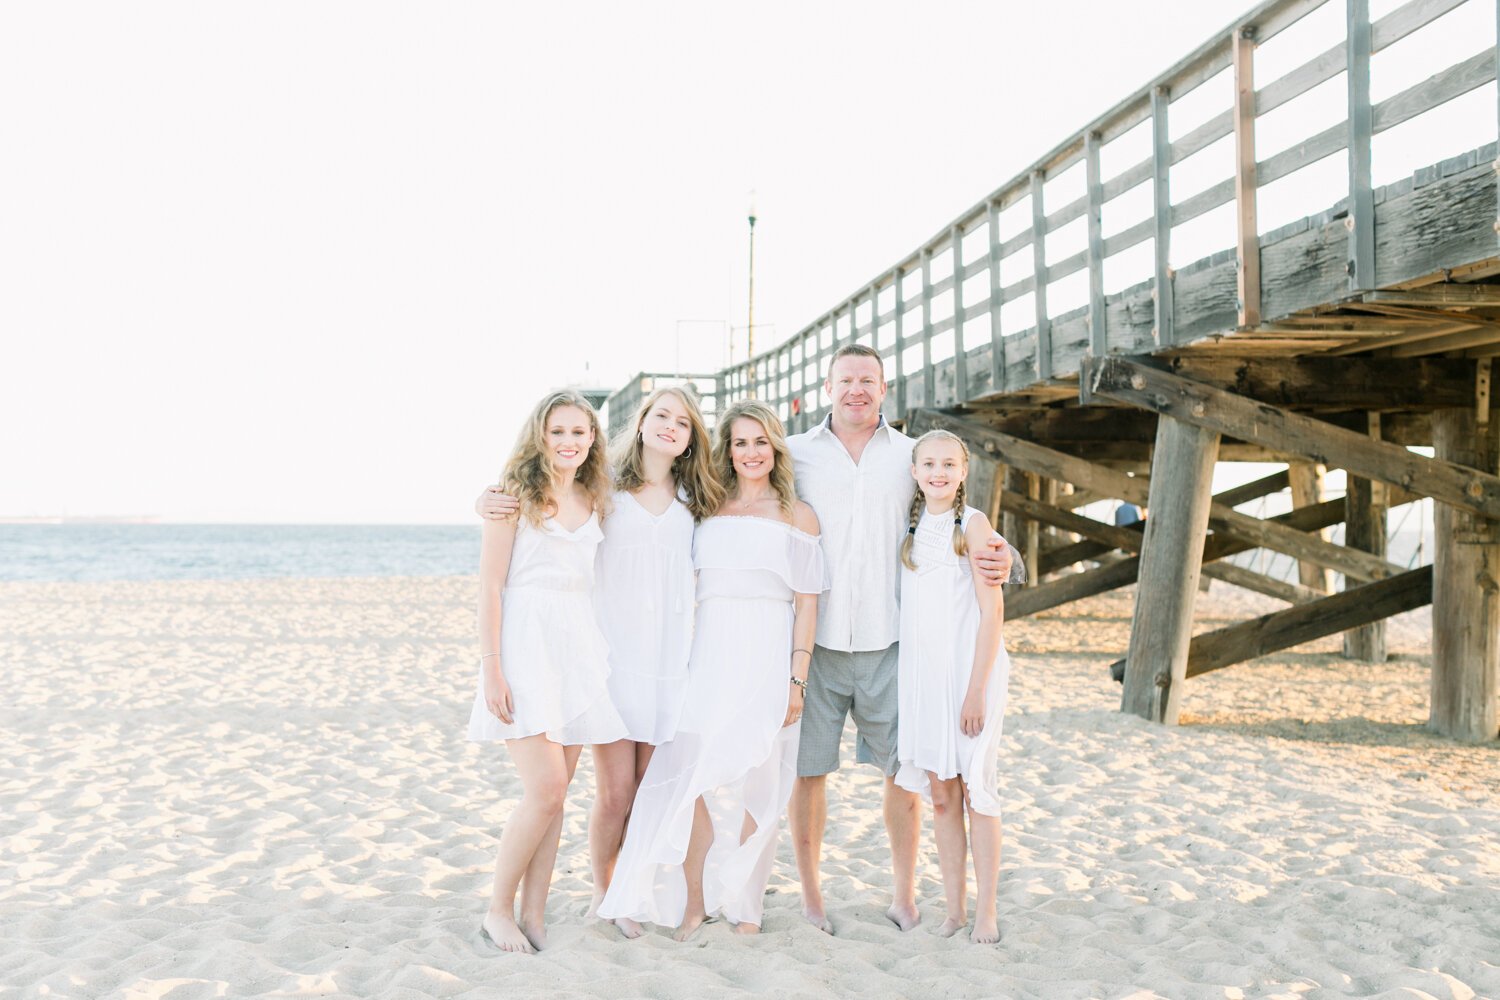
<point x="644" y="601"/>
<point x="731" y="747"/>
<point x="939" y="624"/>
<point x="551" y="649"/>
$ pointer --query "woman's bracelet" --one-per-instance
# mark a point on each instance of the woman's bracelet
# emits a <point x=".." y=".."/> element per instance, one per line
<point x="807" y="651"/>
<point x="799" y="682"/>
<point x="486" y="656"/>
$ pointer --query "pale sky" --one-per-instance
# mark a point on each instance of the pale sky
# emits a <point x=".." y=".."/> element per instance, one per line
<point x="312" y="262"/>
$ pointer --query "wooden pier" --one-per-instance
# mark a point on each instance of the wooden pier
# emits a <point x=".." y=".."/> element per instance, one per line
<point x="1336" y="341"/>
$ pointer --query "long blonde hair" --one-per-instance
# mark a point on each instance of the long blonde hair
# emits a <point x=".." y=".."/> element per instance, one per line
<point x="918" y="500"/>
<point x="692" y="471"/>
<point x="529" y="471"/>
<point x="782" y="480"/>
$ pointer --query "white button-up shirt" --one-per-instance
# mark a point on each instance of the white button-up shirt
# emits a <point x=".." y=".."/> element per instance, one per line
<point x="862" y="509"/>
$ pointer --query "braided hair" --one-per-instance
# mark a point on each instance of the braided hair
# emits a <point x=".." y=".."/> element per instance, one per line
<point x="914" y="512"/>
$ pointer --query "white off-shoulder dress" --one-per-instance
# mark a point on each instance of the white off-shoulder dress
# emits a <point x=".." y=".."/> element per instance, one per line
<point x="731" y="747"/>
<point x="644" y="600"/>
<point x="551" y="649"/>
<point x="939" y="625"/>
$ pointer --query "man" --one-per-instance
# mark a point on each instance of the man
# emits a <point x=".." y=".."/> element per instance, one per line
<point x="854" y="470"/>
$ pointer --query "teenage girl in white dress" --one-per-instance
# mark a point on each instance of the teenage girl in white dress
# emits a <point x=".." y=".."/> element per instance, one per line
<point x="952" y="675"/>
<point x="664" y="483"/>
<point x="543" y="664"/>
<point x="703" y="830"/>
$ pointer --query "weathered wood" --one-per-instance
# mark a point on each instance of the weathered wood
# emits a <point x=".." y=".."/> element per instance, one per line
<point x="1266" y="485"/>
<point x="1012" y="526"/>
<point x="1031" y="547"/>
<point x="1365" y="529"/>
<point x="1443" y="295"/>
<point x="898" y="335"/>
<point x="1331" y="383"/>
<point x="1305" y="622"/>
<point x="1247" y="579"/>
<point x="928" y="373"/>
<point x="1181" y="477"/>
<point x="1161" y="201"/>
<point x="1306" y="480"/>
<point x="1247" y="232"/>
<point x="1320" y="441"/>
<point x="1440" y="88"/>
<point x="1361" y="126"/>
<point x="1465" y="594"/>
<point x="997" y="348"/>
<point x="1039" y="275"/>
<point x="960" y="358"/>
<point x="1121" y="574"/>
<point x="1098" y="335"/>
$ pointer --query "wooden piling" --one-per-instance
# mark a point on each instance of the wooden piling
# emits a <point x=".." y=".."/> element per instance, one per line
<point x="1364" y="529"/>
<point x="1306" y="480"/>
<point x="1465" y="594"/>
<point x="1182" y="470"/>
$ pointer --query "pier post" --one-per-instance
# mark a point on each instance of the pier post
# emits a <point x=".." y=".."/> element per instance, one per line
<point x="1364" y="529"/>
<point x="1465" y="592"/>
<point x="1306" y="480"/>
<point x="1182" y="469"/>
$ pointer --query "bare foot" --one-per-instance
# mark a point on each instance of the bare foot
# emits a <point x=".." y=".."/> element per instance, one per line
<point x="503" y="932"/>
<point x="746" y="927"/>
<point x="629" y="928"/>
<point x="690" y="924"/>
<point x="986" y="931"/>
<point x="535" y="931"/>
<point x="904" y="916"/>
<point x="813" y="914"/>
<point x="950" y="927"/>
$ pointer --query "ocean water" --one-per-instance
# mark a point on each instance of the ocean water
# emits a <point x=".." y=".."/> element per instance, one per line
<point x="233" y="551"/>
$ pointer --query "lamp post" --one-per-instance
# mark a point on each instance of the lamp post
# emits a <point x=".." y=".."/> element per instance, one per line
<point x="750" y="318"/>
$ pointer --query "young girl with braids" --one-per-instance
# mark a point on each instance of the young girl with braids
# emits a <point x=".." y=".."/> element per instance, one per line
<point x="952" y="677"/>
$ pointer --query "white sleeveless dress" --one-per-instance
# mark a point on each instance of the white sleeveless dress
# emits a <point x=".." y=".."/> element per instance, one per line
<point x="644" y="601"/>
<point x="730" y="747"/>
<point x="939" y="624"/>
<point x="551" y="649"/>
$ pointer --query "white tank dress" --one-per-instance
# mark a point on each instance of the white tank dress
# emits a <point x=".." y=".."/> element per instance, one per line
<point x="731" y="747"/>
<point x="551" y="649"/>
<point x="644" y="601"/>
<point x="939" y="624"/>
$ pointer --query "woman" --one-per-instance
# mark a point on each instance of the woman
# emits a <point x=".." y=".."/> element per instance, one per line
<point x="543" y="664"/>
<point x="703" y="829"/>
<point x="664" y="485"/>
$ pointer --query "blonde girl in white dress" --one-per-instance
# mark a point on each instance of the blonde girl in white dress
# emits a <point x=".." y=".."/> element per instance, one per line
<point x="664" y="484"/>
<point x="543" y="664"/>
<point x="703" y="830"/>
<point x="952" y="676"/>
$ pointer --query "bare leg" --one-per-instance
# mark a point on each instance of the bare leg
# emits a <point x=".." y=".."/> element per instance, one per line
<point x="984" y="835"/>
<point x="699" y="842"/>
<point x="808" y="812"/>
<point x="903" y="825"/>
<point x="543" y="769"/>
<point x="952" y="848"/>
<point x="614" y="784"/>
<point x="538" y="877"/>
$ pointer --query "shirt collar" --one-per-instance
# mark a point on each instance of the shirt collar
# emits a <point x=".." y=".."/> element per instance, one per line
<point x="825" y="426"/>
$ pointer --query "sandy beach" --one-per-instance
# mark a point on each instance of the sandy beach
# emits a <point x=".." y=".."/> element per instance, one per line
<point x="262" y="789"/>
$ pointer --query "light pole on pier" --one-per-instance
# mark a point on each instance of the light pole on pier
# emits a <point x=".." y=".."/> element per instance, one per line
<point x="750" y="318"/>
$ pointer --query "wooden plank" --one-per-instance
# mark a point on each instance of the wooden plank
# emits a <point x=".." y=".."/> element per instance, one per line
<point x="1465" y="594"/>
<point x="1031" y="538"/>
<point x="900" y="322"/>
<point x="1365" y="529"/>
<point x="1098" y="334"/>
<point x="1250" y="420"/>
<point x="1266" y="485"/>
<point x="1247" y="232"/>
<point x="960" y="360"/>
<point x="1239" y="576"/>
<point x="1121" y="574"/>
<point x="1306" y="622"/>
<point x="1203" y="202"/>
<point x="1443" y="294"/>
<point x="1266" y="534"/>
<point x="1440" y="88"/>
<point x="1181" y="477"/>
<point x="1039" y="276"/>
<point x="1306" y="481"/>
<point x="1310" y="150"/>
<point x="1161" y="214"/>
<point x="1345" y="383"/>
<point x="1360" y="121"/>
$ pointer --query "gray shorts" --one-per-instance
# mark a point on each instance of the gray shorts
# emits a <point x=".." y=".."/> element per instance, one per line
<point x="839" y="684"/>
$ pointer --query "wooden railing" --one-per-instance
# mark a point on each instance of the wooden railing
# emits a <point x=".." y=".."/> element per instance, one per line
<point x="942" y="304"/>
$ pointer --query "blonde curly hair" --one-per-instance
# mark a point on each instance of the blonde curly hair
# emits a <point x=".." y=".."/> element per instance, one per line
<point x="782" y="480"/>
<point x="529" y="472"/>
